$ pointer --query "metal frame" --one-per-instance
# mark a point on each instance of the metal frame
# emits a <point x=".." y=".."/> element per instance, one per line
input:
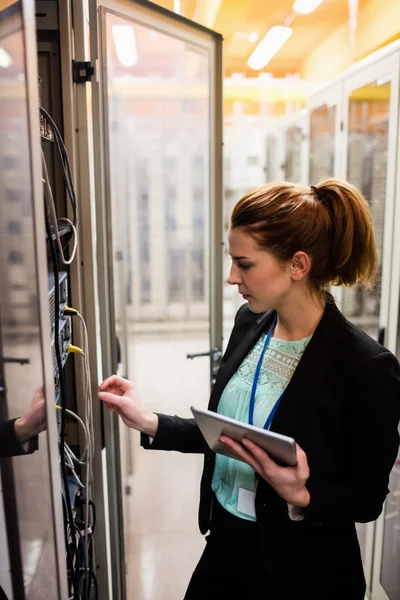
<point x="29" y="32"/>
<point x="368" y="70"/>
<point x="85" y="288"/>
<point x="378" y="591"/>
<point x="389" y="66"/>
<point x="156" y="17"/>
<point x="359" y="77"/>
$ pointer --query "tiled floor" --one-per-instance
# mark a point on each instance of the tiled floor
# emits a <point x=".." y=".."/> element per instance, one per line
<point x="162" y="538"/>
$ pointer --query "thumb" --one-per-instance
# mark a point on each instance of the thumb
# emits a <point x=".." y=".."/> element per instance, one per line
<point x="110" y="398"/>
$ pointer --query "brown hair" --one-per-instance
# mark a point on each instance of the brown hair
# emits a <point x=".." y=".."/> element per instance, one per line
<point x="330" y="222"/>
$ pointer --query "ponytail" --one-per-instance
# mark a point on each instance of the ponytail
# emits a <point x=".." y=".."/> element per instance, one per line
<point x="331" y="222"/>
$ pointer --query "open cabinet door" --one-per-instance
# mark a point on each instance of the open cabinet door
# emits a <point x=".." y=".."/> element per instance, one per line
<point x="32" y="549"/>
<point x="157" y="118"/>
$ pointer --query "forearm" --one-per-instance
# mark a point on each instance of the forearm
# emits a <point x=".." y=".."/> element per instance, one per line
<point x="10" y="444"/>
<point x="23" y="432"/>
<point x="344" y="501"/>
<point x="175" y="433"/>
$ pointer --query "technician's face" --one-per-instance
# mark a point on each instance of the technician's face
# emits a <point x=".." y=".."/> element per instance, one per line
<point x="261" y="279"/>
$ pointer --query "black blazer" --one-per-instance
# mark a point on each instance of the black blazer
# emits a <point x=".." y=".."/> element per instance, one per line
<point x="9" y="444"/>
<point x="342" y="406"/>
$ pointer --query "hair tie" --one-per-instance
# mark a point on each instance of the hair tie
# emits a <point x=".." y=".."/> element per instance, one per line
<point x="316" y="191"/>
<point x="324" y="199"/>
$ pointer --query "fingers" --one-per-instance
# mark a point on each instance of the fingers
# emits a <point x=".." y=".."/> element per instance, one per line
<point x="301" y="455"/>
<point x="115" y="383"/>
<point x="302" y="462"/>
<point x="267" y="466"/>
<point x="110" y="399"/>
<point x="240" y="451"/>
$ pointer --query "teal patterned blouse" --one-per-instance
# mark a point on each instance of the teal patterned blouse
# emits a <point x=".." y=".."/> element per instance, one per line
<point x="280" y="361"/>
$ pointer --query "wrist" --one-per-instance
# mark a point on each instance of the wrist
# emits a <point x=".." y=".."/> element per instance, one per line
<point x="21" y="431"/>
<point x="150" y="425"/>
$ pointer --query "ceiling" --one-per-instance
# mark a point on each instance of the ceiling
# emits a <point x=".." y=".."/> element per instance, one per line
<point x="235" y="19"/>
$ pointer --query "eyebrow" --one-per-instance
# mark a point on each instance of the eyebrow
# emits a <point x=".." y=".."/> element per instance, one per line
<point x="240" y="257"/>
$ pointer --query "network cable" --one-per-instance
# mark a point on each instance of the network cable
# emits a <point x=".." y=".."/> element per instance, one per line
<point x="50" y="207"/>
<point x="66" y="167"/>
<point x="80" y="549"/>
<point x="68" y="311"/>
<point x="71" y="551"/>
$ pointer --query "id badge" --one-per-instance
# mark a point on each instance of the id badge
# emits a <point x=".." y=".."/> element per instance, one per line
<point x="246" y="502"/>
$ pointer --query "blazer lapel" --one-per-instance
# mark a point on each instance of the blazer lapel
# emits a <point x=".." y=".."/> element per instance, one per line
<point x="314" y="365"/>
<point x="242" y="349"/>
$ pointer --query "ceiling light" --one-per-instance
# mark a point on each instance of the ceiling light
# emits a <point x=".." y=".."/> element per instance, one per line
<point x="125" y="44"/>
<point x="305" y="7"/>
<point x="237" y="76"/>
<point x="269" y="46"/>
<point x="253" y="36"/>
<point x="5" y="59"/>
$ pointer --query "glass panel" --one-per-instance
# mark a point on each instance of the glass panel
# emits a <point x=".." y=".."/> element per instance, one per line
<point x="26" y="486"/>
<point x="294" y="138"/>
<point x="158" y="99"/>
<point x="367" y="169"/>
<point x="322" y="143"/>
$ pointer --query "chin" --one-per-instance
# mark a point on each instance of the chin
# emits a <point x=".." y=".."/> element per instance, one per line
<point x="255" y="306"/>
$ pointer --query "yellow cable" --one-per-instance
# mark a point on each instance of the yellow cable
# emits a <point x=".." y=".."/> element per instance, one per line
<point x="75" y="349"/>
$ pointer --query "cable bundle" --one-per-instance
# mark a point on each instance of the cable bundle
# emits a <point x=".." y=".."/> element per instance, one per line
<point x="78" y="541"/>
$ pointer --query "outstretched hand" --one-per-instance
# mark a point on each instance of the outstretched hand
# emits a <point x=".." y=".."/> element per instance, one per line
<point x="122" y="397"/>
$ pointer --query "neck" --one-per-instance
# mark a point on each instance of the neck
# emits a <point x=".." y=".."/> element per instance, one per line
<point x="300" y="319"/>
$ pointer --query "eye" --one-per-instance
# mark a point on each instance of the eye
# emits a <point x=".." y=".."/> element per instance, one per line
<point x="244" y="267"/>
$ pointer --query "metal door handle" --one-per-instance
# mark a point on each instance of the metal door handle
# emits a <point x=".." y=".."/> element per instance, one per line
<point x="192" y="356"/>
<point x="214" y="352"/>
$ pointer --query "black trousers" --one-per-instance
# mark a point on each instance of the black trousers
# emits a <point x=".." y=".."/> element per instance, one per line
<point x="2" y="594"/>
<point x="230" y="566"/>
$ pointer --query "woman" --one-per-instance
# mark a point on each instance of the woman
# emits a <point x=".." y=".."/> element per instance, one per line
<point x="278" y="532"/>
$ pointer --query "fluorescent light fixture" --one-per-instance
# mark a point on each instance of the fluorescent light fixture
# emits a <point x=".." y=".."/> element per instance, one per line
<point x="305" y="7"/>
<point x="253" y="37"/>
<point x="269" y="46"/>
<point x="125" y="44"/>
<point x="5" y="59"/>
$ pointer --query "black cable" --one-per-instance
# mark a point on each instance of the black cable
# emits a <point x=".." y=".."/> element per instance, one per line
<point x="96" y="587"/>
<point x="85" y="573"/>
<point x="81" y="501"/>
<point x="63" y="157"/>
<point x="63" y="395"/>
<point x="70" y="564"/>
<point x="64" y="162"/>
<point x="90" y="550"/>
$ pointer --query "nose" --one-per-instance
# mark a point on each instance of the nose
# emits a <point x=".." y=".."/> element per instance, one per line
<point x="234" y="277"/>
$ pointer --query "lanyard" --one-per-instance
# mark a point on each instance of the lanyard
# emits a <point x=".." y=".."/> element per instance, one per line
<point x="255" y="381"/>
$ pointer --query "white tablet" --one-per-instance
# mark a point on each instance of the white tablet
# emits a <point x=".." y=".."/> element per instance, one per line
<point x="212" y="425"/>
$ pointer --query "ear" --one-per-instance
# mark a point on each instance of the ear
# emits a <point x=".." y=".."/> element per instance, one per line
<point x="300" y="266"/>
